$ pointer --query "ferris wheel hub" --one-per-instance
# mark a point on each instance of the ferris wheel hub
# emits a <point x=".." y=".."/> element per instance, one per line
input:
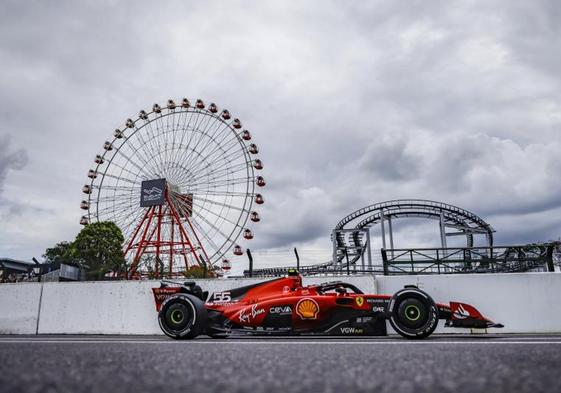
<point x="174" y="188"/>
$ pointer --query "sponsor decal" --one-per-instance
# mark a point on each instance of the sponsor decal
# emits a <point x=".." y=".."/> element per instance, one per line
<point x="222" y="304"/>
<point x="286" y="289"/>
<point x="221" y="297"/>
<point x="282" y="310"/>
<point x="359" y="301"/>
<point x="249" y="313"/>
<point x="162" y="294"/>
<point x="351" y="330"/>
<point x="161" y="297"/>
<point x="378" y="309"/>
<point x="461" y="313"/>
<point x="152" y="192"/>
<point x="372" y="300"/>
<point x="307" y="308"/>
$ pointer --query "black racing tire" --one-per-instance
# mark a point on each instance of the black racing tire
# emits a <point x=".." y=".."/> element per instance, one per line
<point x="413" y="313"/>
<point x="183" y="316"/>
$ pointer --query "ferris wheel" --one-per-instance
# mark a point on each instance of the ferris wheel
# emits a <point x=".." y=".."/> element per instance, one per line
<point x="181" y="182"/>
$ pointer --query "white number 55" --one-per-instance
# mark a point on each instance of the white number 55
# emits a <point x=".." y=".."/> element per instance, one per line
<point x="221" y="297"/>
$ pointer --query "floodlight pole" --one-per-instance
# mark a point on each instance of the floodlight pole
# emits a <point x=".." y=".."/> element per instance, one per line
<point x="250" y="257"/>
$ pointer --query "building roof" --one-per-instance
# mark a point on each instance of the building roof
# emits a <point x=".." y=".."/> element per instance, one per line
<point x="14" y="264"/>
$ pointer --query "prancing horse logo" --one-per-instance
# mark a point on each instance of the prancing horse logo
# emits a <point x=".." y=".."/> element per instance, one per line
<point x="359" y="301"/>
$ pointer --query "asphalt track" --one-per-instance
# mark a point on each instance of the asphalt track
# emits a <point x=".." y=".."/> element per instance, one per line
<point x="474" y="363"/>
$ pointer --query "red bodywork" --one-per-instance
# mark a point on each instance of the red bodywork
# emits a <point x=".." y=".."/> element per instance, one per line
<point x="284" y="304"/>
<point x="308" y="306"/>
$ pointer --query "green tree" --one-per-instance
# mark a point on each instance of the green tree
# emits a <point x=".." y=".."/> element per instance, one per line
<point x="61" y="253"/>
<point x="198" y="272"/>
<point x="153" y="267"/>
<point x="99" y="249"/>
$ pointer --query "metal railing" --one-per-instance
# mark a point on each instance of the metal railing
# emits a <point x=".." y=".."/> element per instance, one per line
<point x="497" y="259"/>
<point x="314" y="270"/>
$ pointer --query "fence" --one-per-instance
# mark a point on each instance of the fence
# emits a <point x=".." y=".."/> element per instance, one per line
<point x="505" y="259"/>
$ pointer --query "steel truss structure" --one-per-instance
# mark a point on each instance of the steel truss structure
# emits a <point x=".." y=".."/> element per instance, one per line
<point x="351" y="236"/>
<point x="449" y="217"/>
<point x="504" y="259"/>
<point x="208" y="164"/>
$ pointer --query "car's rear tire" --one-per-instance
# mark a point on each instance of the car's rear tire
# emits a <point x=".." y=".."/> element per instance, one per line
<point x="413" y="313"/>
<point x="183" y="316"/>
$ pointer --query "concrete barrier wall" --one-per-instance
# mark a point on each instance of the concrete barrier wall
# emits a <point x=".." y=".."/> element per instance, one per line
<point x="98" y="308"/>
<point x="19" y="308"/>
<point x="124" y="307"/>
<point x="523" y="302"/>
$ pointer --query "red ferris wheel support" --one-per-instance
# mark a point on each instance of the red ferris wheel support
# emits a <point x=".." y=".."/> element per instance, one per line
<point x="147" y="236"/>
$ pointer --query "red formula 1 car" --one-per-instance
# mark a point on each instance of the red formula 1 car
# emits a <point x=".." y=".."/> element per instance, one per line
<point x="284" y="306"/>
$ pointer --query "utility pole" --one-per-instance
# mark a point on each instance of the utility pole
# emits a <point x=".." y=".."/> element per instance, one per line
<point x="204" y="265"/>
<point x="348" y="266"/>
<point x="250" y="257"/>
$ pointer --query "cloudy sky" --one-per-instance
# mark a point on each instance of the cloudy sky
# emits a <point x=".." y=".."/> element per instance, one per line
<point x="351" y="103"/>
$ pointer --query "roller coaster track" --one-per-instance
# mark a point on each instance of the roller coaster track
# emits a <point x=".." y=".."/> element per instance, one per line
<point x="349" y="241"/>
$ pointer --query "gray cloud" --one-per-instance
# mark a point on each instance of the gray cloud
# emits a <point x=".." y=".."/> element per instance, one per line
<point x="10" y="160"/>
<point x="390" y="159"/>
<point x="350" y="103"/>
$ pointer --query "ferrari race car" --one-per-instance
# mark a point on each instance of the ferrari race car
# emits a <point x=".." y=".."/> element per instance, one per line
<point x="284" y="306"/>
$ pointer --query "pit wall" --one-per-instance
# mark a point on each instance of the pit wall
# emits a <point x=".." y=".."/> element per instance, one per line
<point x="524" y="302"/>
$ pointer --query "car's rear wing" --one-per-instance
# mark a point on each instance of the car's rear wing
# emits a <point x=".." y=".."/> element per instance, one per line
<point x="169" y="288"/>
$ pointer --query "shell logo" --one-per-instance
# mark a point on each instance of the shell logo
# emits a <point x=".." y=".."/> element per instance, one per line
<point x="307" y="309"/>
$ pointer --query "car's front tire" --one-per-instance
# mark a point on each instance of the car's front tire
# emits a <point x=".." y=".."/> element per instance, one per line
<point x="183" y="316"/>
<point x="413" y="313"/>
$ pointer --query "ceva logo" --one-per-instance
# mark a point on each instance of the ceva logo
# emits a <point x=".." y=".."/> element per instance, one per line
<point x="283" y="310"/>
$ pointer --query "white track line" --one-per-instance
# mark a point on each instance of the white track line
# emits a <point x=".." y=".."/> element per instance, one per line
<point x="173" y="342"/>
